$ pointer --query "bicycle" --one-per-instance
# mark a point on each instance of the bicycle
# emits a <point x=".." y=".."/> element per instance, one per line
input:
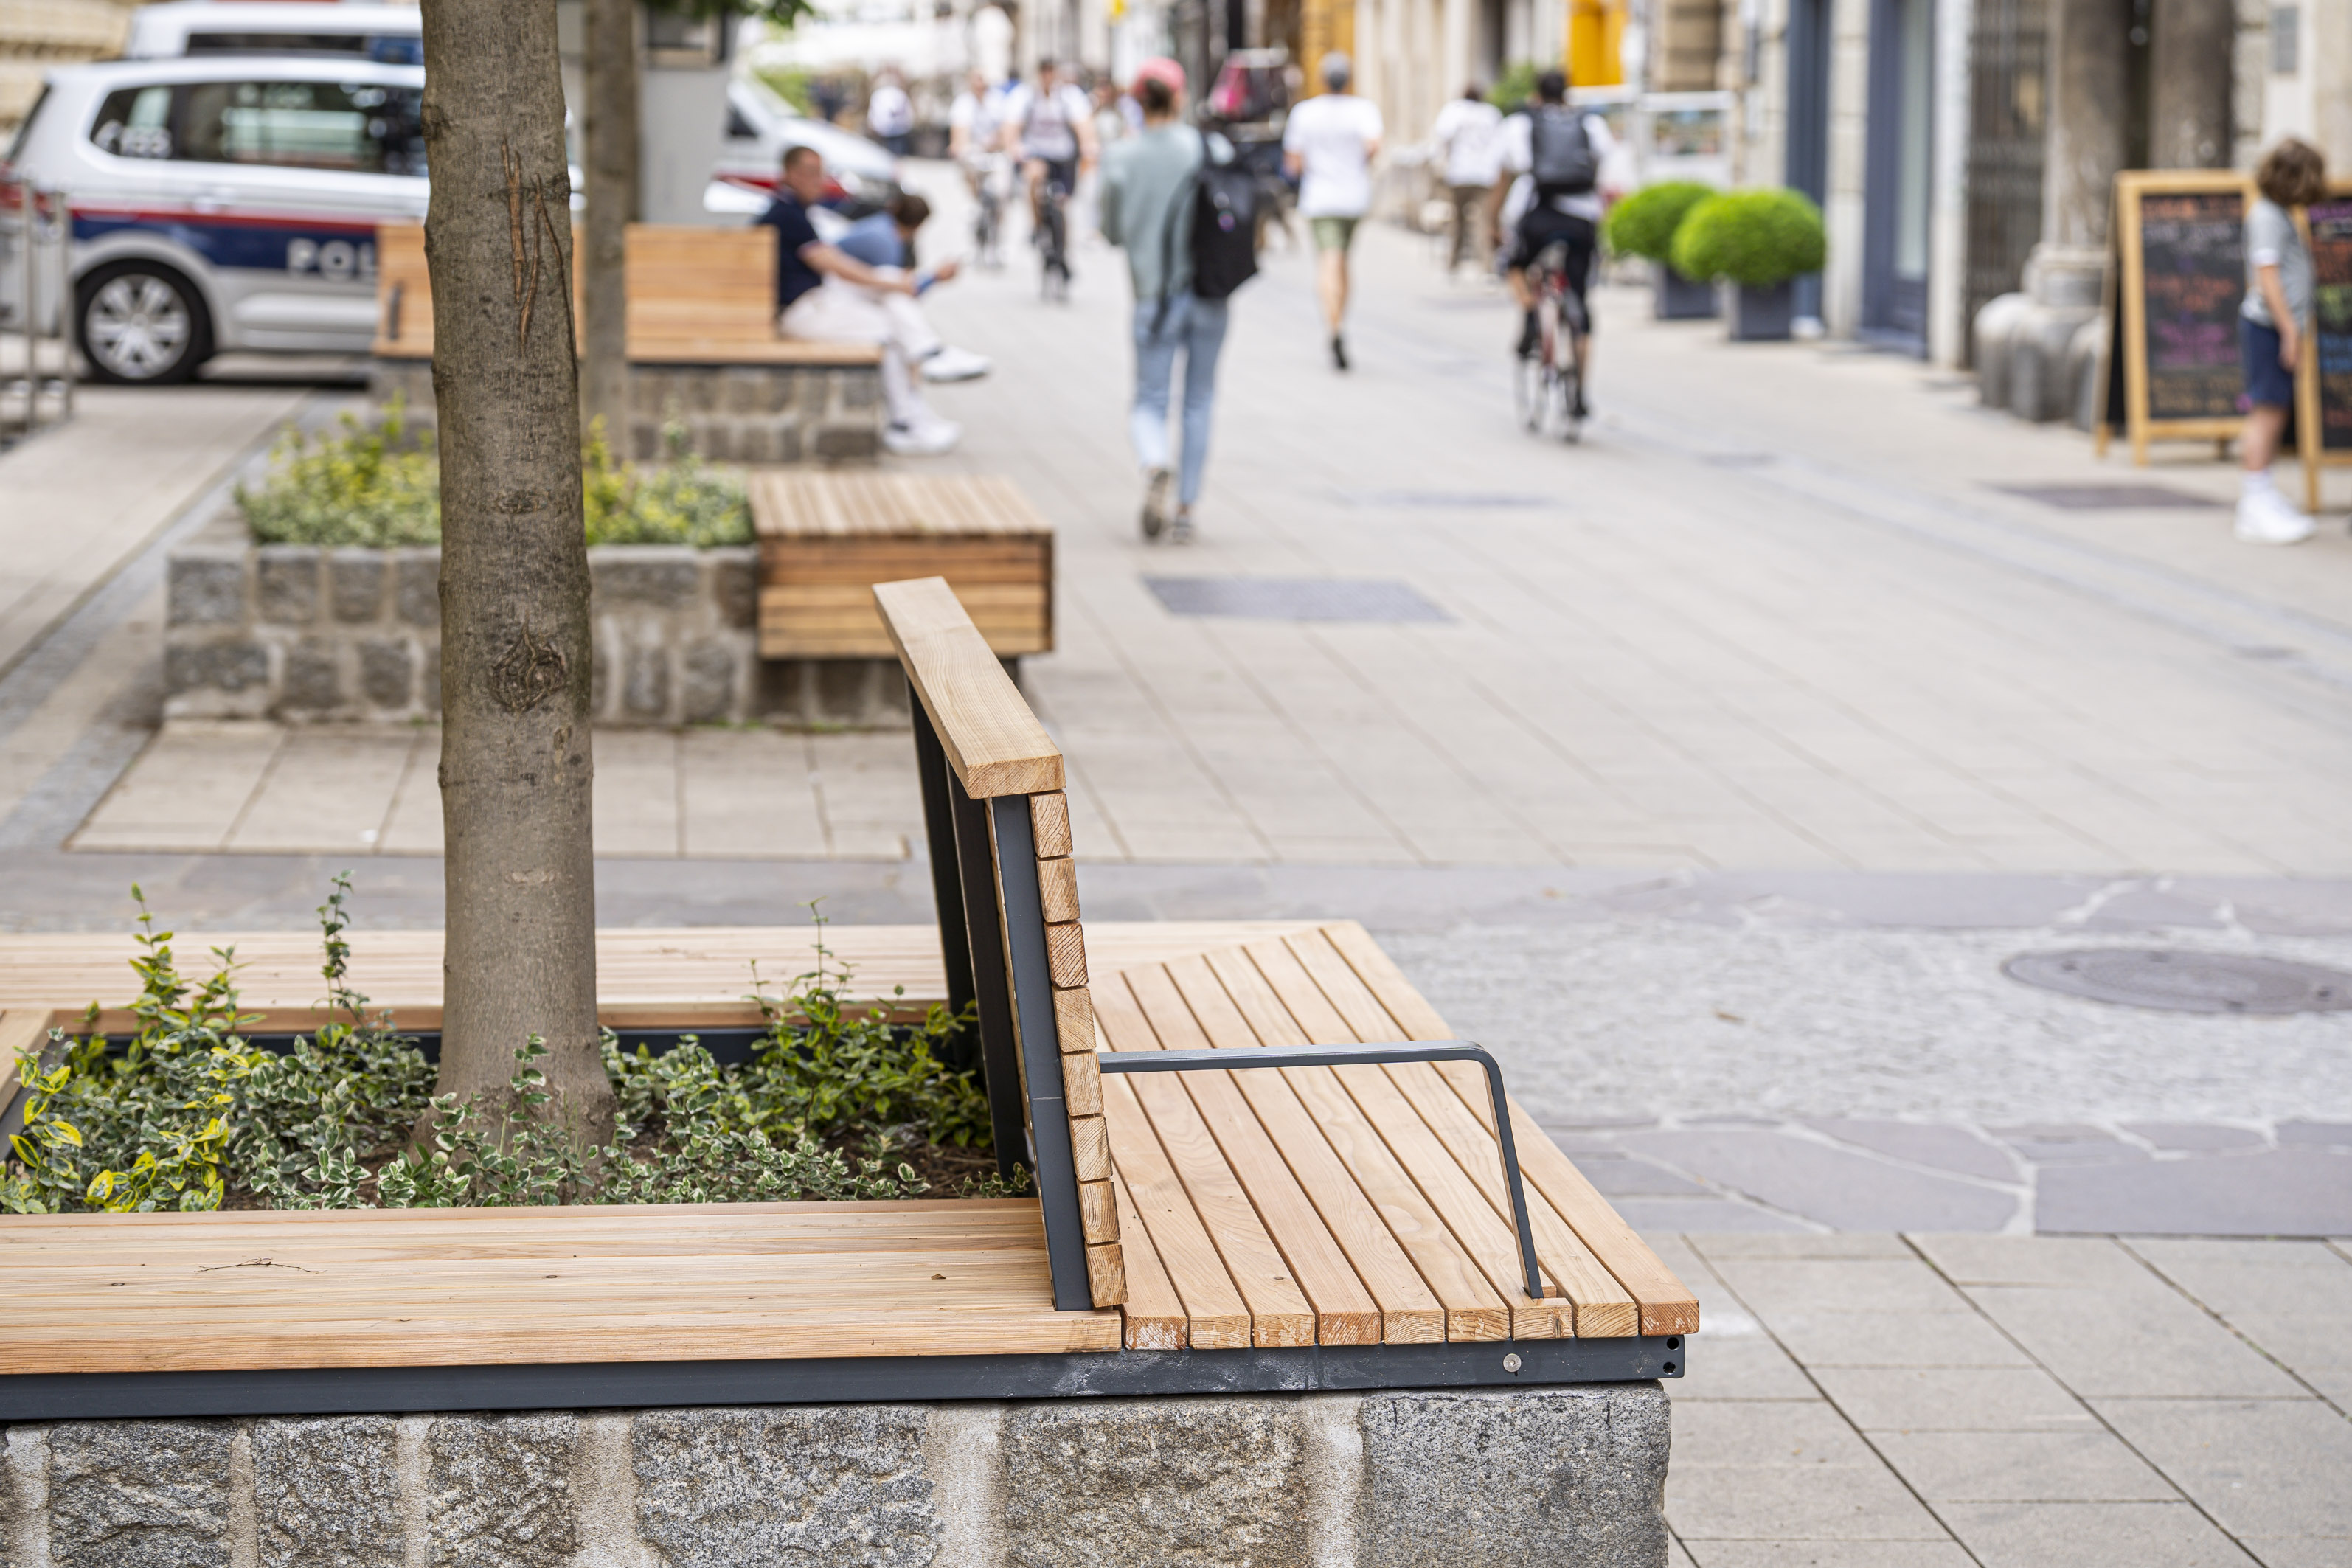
<point x="1549" y="384"/>
<point x="1053" y="238"/>
<point x="991" y="180"/>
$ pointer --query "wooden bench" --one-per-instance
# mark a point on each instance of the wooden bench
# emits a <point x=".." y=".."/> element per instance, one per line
<point x="826" y="539"/>
<point x="1351" y="1214"/>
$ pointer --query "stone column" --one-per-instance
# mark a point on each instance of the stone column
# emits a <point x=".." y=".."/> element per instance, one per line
<point x="2191" y="76"/>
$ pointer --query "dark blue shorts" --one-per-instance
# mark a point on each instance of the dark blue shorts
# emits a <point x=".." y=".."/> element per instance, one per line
<point x="2267" y="381"/>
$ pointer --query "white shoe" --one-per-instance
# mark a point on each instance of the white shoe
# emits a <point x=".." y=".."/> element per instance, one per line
<point x="2266" y="518"/>
<point x="926" y="439"/>
<point x="956" y="364"/>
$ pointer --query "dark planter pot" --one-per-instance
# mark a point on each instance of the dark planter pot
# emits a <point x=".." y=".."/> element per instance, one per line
<point x="1759" y="315"/>
<point x="1680" y="298"/>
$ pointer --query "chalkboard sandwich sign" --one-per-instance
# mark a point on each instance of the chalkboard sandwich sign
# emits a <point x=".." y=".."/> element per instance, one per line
<point x="2176" y="277"/>
<point x="2323" y="401"/>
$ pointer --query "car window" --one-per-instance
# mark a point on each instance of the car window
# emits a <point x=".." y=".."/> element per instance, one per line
<point x="739" y="129"/>
<point x="355" y="127"/>
<point x="18" y="142"/>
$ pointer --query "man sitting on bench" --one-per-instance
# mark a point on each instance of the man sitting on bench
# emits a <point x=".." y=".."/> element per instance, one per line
<point x="824" y="294"/>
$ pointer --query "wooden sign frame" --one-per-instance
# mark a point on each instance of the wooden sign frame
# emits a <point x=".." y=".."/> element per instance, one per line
<point x="2125" y="286"/>
<point x="2307" y="433"/>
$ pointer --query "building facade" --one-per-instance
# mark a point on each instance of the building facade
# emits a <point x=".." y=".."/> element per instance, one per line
<point x="36" y="35"/>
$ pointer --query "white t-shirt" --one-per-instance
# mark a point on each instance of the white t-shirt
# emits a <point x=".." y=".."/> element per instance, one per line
<point x="1047" y="120"/>
<point x="1470" y="132"/>
<point x="1518" y="157"/>
<point x="888" y="111"/>
<point x="977" y="116"/>
<point x="1331" y="134"/>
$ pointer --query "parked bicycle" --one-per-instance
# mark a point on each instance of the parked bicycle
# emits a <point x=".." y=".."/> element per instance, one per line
<point x="1549" y="384"/>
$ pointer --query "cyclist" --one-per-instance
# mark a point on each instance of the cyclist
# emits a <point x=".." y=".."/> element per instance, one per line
<point x="975" y="126"/>
<point x="1050" y="126"/>
<point x="1557" y="153"/>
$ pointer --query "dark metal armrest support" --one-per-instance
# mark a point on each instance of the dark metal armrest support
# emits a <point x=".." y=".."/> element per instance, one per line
<point x="1361" y="1056"/>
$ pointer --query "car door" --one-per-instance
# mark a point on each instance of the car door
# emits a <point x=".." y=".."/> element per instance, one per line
<point x="293" y="176"/>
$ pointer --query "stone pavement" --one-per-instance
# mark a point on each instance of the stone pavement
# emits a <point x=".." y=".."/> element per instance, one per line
<point x="1886" y="1401"/>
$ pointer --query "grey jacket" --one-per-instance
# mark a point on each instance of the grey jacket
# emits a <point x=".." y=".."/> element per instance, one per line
<point x="1144" y="177"/>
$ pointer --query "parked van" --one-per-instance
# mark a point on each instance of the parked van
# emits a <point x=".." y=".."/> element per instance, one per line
<point x="226" y="202"/>
<point x="388" y="35"/>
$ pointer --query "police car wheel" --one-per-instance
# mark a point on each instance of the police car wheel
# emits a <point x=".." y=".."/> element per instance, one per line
<point x="142" y="324"/>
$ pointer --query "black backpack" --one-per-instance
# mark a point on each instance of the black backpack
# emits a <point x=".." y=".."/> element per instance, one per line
<point x="1225" y="232"/>
<point x="1562" y="160"/>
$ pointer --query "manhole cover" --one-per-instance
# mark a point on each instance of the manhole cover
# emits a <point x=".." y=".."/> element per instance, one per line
<point x="1292" y="599"/>
<point x="2183" y="982"/>
<point x="2107" y="498"/>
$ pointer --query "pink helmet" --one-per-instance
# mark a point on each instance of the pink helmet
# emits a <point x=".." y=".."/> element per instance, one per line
<point x="1159" y="67"/>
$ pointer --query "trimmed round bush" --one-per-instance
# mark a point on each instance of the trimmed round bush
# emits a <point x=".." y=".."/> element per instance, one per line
<point x="1644" y="223"/>
<point x="1755" y="238"/>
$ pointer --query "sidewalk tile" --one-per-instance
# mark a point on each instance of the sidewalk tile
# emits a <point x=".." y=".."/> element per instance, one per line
<point x="2089" y="1261"/>
<point x="1947" y="1148"/>
<point x="413" y="827"/>
<point x="2021" y="1467"/>
<point x="1710" y="1215"/>
<point x="2292" y="1299"/>
<point x="2079" y="1535"/>
<point x="637" y="793"/>
<point x="1895" y="1339"/>
<point x="1839" y="1245"/>
<point x="1804" y="1434"/>
<point x="1939" y="1554"/>
<point x="2134" y="1338"/>
<point x="1793" y="1502"/>
<point x="2261" y="1468"/>
<point x="1845" y="1190"/>
<point x="186" y="789"/>
<point x="1777" y="1285"/>
<point x="1953" y="1399"/>
<point x="2271" y="1192"/>
<point x="326" y="787"/>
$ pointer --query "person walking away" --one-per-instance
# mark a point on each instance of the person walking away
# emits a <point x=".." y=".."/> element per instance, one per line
<point x="1556" y="152"/>
<point x="1049" y="126"/>
<point x="1111" y="127"/>
<point x="890" y="113"/>
<point x="1328" y="145"/>
<point x="2270" y="327"/>
<point x="885" y="240"/>
<point x="1468" y="136"/>
<point x="825" y="295"/>
<point x="1150" y="182"/>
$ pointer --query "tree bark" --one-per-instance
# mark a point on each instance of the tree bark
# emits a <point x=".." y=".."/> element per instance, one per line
<point x="515" y="770"/>
<point x="612" y="126"/>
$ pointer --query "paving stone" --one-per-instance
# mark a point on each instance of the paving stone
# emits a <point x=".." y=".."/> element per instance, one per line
<point x="286" y="585"/>
<point x="1209" y="1481"/>
<point x="1788" y="1502"/>
<point x="1952" y="1399"/>
<point x="1894" y="1339"/>
<point x="1842" y="1246"/>
<point x="1845" y="1190"/>
<point x="206" y="588"/>
<point x="416" y="586"/>
<point x="386" y="672"/>
<point x="2140" y="1534"/>
<point x="2326" y="1134"/>
<point x="1773" y="1287"/>
<point x="1511" y="1479"/>
<point x="498" y="1490"/>
<point x="1955" y="1149"/>
<point x="2199" y="1136"/>
<point x="1624" y="1177"/>
<point x="666" y="577"/>
<point x="2271" y="1468"/>
<point x="326" y="1492"/>
<point x="2294" y="1191"/>
<point x="2021" y="1467"/>
<point x="314" y="677"/>
<point x="1741" y="1434"/>
<point x="1749" y="1367"/>
<point x="2089" y="1261"/>
<point x="707" y="689"/>
<point x="2142" y="1340"/>
<point x="1679" y="1216"/>
<point x="356" y="579"/>
<point x="1946" y="1553"/>
<point x="140" y="1494"/>
<point x="816" y="1484"/>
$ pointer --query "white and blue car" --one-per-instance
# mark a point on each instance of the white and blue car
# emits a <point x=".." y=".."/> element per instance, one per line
<point x="225" y="202"/>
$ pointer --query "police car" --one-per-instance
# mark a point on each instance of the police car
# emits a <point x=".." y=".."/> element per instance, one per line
<point x="228" y="202"/>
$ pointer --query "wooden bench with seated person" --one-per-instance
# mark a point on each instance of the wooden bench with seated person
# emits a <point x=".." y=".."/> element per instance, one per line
<point x="707" y="360"/>
<point x="1260" y="1162"/>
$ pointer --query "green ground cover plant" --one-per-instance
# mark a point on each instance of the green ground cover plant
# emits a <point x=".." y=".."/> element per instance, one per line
<point x="379" y="486"/>
<point x="1755" y="238"/>
<point x="836" y="1102"/>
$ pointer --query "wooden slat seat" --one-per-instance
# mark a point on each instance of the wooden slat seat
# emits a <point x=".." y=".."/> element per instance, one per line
<point x="697" y="295"/>
<point x="826" y="539"/>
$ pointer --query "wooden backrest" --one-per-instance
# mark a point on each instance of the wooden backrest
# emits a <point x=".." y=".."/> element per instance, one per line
<point x="999" y="830"/>
<point x="690" y="287"/>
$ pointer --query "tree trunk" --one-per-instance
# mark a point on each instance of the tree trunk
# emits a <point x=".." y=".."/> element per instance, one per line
<point x="612" y="125"/>
<point x="515" y="770"/>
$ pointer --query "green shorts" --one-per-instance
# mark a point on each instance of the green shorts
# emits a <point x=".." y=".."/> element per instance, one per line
<point x="1333" y="233"/>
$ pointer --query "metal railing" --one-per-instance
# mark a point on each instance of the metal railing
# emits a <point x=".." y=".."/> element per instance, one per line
<point x="37" y="352"/>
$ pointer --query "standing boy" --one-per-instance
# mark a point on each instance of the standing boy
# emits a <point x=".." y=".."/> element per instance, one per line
<point x="2271" y="325"/>
<point x="1328" y="145"/>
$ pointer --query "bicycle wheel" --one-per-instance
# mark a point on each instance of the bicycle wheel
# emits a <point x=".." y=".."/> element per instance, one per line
<point x="1528" y="372"/>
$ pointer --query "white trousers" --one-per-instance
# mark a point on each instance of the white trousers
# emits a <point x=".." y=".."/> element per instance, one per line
<point x="839" y="312"/>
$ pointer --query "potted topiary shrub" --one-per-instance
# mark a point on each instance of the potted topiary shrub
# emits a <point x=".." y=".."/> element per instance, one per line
<point x="1643" y="225"/>
<point x="1755" y="242"/>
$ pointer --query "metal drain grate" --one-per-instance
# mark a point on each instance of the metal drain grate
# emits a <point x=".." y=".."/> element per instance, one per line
<point x="2178" y="981"/>
<point x="2107" y="498"/>
<point x="1292" y="599"/>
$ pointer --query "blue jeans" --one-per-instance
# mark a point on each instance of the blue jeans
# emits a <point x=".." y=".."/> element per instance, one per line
<point x="1198" y="327"/>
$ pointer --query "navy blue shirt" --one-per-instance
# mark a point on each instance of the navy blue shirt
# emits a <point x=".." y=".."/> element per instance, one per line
<point x="794" y="233"/>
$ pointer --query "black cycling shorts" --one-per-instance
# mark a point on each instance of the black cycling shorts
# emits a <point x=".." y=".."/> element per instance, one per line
<point x="1062" y="171"/>
<point x="1545" y="227"/>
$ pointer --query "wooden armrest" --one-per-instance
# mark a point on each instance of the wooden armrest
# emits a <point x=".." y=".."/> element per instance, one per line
<point x="992" y="741"/>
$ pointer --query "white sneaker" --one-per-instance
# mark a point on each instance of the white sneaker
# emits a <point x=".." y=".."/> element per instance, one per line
<point x="2266" y="518"/>
<point x="926" y="439"/>
<point x="956" y="364"/>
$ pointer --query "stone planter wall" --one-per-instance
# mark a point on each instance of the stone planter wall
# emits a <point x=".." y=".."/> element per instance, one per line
<point x="729" y="413"/>
<point x="1508" y="1478"/>
<point x="305" y="633"/>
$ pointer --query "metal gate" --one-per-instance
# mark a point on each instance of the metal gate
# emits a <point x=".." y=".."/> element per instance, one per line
<point x="2009" y="51"/>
